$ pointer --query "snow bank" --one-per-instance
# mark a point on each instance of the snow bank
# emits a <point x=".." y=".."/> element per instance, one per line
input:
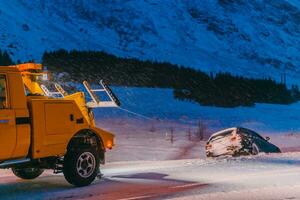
<point x="166" y="136"/>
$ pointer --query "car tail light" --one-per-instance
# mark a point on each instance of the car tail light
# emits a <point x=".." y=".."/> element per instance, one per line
<point x="208" y="146"/>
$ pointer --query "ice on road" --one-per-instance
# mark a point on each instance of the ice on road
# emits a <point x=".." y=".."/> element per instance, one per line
<point x="263" y="177"/>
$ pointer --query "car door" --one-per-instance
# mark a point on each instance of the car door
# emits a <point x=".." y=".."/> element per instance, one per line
<point x="249" y="138"/>
<point x="259" y="141"/>
<point x="264" y="145"/>
<point x="7" y="122"/>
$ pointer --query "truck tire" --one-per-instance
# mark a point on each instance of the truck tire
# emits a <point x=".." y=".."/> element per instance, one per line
<point x="81" y="166"/>
<point x="27" y="173"/>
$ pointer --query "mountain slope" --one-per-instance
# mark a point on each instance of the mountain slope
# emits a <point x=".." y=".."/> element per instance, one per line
<point x="248" y="37"/>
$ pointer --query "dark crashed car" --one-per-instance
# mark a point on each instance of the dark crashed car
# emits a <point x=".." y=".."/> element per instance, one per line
<point x="238" y="141"/>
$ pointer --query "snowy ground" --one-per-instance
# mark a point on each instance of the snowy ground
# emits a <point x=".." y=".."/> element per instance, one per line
<point x="143" y="139"/>
<point x="147" y="163"/>
<point x="262" y="177"/>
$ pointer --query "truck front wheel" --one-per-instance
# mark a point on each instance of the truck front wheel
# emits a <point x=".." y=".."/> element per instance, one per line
<point x="27" y="173"/>
<point x="81" y="166"/>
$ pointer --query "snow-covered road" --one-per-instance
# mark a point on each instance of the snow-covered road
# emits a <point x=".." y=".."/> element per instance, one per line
<point x="263" y="177"/>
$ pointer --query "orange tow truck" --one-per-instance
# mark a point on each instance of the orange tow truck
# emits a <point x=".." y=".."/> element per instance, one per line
<point x="40" y="129"/>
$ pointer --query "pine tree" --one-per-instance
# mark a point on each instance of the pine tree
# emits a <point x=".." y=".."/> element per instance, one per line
<point x="221" y="89"/>
<point x="5" y="59"/>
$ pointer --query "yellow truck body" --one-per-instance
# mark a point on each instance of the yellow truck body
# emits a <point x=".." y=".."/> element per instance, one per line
<point x="35" y="127"/>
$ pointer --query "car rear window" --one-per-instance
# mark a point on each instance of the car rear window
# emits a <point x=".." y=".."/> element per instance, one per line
<point x="221" y="135"/>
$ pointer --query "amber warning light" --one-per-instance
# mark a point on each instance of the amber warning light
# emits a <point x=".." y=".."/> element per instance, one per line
<point x="109" y="144"/>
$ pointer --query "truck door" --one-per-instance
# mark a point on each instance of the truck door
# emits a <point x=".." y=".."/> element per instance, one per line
<point x="7" y="122"/>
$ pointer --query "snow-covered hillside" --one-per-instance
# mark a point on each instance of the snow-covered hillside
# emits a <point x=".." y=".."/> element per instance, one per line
<point x="252" y="37"/>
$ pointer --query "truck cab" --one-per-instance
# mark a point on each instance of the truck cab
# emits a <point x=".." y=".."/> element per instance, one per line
<point x="39" y="131"/>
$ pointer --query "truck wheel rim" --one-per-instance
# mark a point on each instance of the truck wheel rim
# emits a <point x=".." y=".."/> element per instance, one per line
<point x="86" y="164"/>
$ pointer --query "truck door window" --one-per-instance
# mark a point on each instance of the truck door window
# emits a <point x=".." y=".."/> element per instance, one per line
<point x="3" y="92"/>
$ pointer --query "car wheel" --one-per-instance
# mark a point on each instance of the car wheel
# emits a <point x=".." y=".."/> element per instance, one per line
<point x="236" y="154"/>
<point x="255" y="149"/>
<point x="209" y="154"/>
<point x="81" y="166"/>
<point x="27" y="173"/>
